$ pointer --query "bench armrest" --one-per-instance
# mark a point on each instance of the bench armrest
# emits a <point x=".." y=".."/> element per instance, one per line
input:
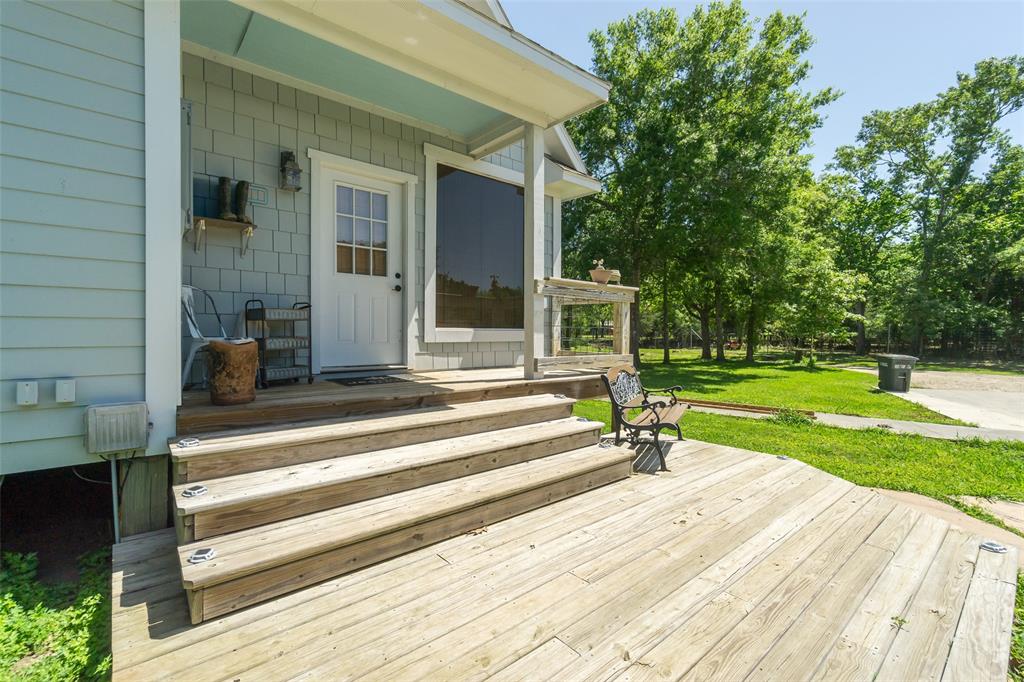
<point x="671" y="390"/>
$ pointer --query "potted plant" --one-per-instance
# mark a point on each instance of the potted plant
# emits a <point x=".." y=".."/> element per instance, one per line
<point x="602" y="275"/>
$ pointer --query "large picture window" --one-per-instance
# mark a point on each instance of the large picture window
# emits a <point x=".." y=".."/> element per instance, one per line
<point x="479" y="251"/>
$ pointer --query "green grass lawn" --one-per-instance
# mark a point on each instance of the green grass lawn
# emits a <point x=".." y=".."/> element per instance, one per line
<point x="780" y="383"/>
<point x="942" y="469"/>
<point x="54" y="632"/>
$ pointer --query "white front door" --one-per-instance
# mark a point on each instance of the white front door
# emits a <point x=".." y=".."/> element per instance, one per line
<point x="359" y="247"/>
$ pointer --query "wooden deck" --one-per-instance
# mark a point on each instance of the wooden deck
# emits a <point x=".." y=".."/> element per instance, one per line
<point x="323" y="398"/>
<point x="735" y="565"/>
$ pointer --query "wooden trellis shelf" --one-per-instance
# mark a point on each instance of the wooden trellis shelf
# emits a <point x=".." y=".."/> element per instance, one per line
<point x="578" y="292"/>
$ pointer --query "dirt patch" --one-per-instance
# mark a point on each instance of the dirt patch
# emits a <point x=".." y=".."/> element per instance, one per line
<point x="1011" y="513"/>
<point x="967" y="381"/>
<point x="956" y="517"/>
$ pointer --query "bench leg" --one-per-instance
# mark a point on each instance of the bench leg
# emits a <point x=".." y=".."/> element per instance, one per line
<point x="661" y="453"/>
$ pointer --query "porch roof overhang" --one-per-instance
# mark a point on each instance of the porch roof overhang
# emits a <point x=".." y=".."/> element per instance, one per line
<point x="568" y="183"/>
<point x="437" y="64"/>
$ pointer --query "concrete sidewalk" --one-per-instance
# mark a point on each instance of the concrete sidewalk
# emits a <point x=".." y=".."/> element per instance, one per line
<point x="943" y="431"/>
<point x="1001" y="410"/>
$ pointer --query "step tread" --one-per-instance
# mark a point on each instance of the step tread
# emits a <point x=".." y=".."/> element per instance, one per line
<point x="250" y="551"/>
<point x="360" y="425"/>
<point x="241" y="489"/>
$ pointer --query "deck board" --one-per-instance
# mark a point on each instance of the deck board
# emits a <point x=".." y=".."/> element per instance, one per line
<point x="732" y="564"/>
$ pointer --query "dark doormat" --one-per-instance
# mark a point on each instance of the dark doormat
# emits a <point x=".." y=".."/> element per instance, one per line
<point x="369" y="381"/>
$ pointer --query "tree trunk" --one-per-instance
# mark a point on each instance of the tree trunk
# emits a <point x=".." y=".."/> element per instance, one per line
<point x="751" y="332"/>
<point x="634" y="314"/>
<point x="862" y="339"/>
<point x="634" y="332"/>
<point x="719" y="323"/>
<point x="705" y="334"/>
<point x="664" y="316"/>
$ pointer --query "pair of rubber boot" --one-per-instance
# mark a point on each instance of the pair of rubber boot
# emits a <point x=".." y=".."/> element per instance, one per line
<point x="224" y="211"/>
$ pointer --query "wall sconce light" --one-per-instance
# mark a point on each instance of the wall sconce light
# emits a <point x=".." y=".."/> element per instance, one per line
<point x="291" y="172"/>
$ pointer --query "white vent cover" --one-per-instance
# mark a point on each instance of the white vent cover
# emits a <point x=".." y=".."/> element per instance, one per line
<point x="116" y="427"/>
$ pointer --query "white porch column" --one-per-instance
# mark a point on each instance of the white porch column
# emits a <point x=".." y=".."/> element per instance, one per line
<point x="533" y="249"/>
<point x="162" y="51"/>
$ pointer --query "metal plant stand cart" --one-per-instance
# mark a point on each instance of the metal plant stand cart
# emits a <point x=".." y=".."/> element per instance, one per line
<point x="279" y="339"/>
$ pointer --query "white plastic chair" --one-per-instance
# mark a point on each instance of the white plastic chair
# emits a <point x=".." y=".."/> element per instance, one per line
<point x="199" y="341"/>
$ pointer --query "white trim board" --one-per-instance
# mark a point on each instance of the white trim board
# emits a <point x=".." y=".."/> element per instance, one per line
<point x="164" y="219"/>
<point x="320" y="160"/>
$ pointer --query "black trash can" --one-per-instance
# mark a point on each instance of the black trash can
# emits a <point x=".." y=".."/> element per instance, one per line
<point x="894" y="372"/>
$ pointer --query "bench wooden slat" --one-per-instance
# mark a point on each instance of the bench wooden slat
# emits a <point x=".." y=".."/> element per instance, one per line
<point x="670" y="413"/>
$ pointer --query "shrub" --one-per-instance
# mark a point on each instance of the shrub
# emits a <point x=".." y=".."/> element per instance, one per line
<point x="59" y="632"/>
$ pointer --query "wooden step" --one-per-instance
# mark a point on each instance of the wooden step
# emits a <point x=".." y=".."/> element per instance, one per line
<point x="252" y="566"/>
<point x="323" y="399"/>
<point x="249" y="500"/>
<point x="235" y="452"/>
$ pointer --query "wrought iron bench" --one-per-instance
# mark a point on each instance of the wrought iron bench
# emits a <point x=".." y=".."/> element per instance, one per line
<point x="656" y="412"/>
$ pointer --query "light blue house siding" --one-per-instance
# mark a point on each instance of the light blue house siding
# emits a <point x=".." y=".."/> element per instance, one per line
<point x="240" y="125"/>
<point x="71" y="219"/>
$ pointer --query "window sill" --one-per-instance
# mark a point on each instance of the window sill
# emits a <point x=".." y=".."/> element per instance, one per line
<point x="468" y="335"/>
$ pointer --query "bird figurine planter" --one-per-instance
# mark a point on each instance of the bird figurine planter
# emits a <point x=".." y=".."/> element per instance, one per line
<point x="602" y="275"/>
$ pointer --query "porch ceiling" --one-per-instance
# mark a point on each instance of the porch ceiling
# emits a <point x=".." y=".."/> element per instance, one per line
<point x="441" y="64"/>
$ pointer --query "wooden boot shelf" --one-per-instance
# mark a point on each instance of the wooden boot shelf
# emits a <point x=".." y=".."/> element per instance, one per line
<point x="201" y="223"/>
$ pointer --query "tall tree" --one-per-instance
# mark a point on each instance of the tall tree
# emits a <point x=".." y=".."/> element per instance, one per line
<point x="928" y="155"/>
<point x="742" y="124"/>
<point x="819" y="294"/>
<point x="623" y="144"/>
<point x="862" y="218"/>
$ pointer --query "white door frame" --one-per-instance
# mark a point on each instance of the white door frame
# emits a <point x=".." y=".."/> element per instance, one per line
<point x="319" y="163"/>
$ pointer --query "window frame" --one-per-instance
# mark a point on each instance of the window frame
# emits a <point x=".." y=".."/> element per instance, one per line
<point x="431" y="332"/>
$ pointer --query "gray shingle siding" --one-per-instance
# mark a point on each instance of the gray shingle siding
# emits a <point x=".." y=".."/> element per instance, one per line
<point x="241" y="123"/>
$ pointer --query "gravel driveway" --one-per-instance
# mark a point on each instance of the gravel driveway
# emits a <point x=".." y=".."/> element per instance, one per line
<point x="967" y="381"/>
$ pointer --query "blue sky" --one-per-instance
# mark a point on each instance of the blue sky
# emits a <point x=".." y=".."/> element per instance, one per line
<point x="880" y="54"/>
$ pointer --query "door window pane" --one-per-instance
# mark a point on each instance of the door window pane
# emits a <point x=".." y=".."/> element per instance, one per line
<point x="344" y="198"/>
<point x="344" y="258"/>
<point x="479" y="251"/>
<point x="344" y="230"/>
<point x="380" y="207"/>
<point x="362" y="209"/>
<point x="362" y="232"/>
<point x="380" y="263"/>
<point x="362" y="261"/>
<point x="380" y="235"/>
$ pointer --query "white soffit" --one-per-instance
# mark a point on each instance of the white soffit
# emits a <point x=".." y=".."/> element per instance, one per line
<point x="448" y="43"/>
